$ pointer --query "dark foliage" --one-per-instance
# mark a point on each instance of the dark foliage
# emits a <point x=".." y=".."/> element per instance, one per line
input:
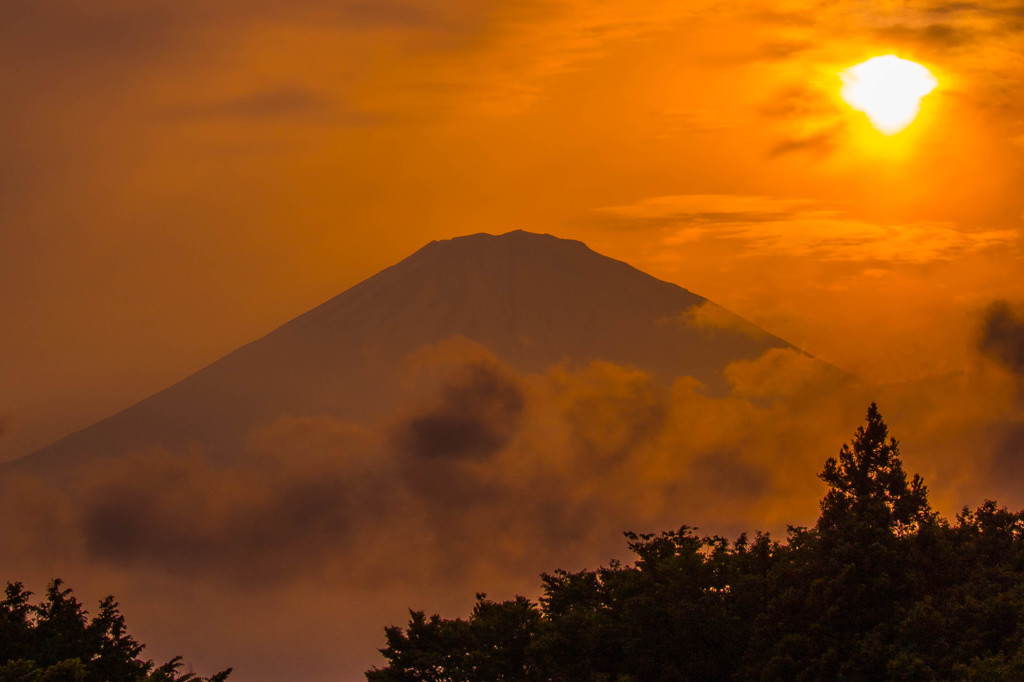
<point x="55" y="641"/>
<point x="880" y="588"/>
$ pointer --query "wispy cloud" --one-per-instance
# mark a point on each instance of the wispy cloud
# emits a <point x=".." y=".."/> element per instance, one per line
<point x="290" y="103"/>
<point x="797" y="227"/>
<point x="711" y="317"/>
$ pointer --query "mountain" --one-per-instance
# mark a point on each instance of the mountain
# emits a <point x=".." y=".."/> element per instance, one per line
<point x="533" y="300"/>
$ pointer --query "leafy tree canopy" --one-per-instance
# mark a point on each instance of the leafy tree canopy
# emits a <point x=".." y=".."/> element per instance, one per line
<point x="880" y="588"/>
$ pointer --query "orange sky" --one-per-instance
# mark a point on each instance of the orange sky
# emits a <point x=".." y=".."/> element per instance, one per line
<point x="177" y="179"/>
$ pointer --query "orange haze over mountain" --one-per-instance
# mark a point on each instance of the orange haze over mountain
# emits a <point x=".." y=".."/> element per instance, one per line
<point x="178" y="179"/>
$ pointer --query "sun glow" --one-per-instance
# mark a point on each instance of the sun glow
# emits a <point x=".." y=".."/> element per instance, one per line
<point x="888" y="89"/>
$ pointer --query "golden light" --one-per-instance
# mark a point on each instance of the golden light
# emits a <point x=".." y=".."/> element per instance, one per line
<point x="888" y="89"/>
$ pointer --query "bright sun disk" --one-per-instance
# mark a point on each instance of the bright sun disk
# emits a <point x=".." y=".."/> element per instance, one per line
<point x="888" y="89"/>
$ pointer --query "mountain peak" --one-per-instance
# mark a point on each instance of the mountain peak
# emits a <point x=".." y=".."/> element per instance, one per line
<point x="534" y="300"/>
<point x="513" y="239"/>
<point x="512" y="235"/>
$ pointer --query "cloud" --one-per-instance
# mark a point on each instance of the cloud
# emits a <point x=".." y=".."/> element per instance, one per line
<point x="671" y="123"/>
<point x="485" y="477"/>
<point x="702" y="209"/>
<point x="798" y="101"/>
<point x="711" y="317"/>
<point x="180" y="513"/>
<point x="821" y="142"/>
<point x="1001" y="336"/>
<point x="784" y="49"/>
<point x="937" y="35"/>
<point x="999" y="8"/>
<point x="781" y="372"/>
<point x="1006" y="468"/>
<point x="796" y="227"/>
<point x="476" y="443"/>
<point x="474" y="416"/>
<point x="286" y="100"/>
<point x="277" y="105"/>
<point x="609" y="411"/>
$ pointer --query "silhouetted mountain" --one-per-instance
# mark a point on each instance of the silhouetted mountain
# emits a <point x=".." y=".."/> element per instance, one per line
<point x="533" y="300"/>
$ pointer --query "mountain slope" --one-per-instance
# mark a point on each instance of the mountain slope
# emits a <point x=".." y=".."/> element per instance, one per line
<point x="533" y="300"/>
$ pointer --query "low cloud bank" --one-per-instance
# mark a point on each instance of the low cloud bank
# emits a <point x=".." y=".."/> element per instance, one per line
<point x="482" y="479"/>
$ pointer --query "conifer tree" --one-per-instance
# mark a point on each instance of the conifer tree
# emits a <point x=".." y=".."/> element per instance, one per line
<point x="867" y="484"/>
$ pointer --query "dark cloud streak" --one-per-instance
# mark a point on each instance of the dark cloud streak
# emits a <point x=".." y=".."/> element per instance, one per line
<point x="821" y="143"/>
<point x="291" y="101"/>
<point x="939" y="35"/>
<point x="1001" y="336"/>
<point x="475" y="416"/>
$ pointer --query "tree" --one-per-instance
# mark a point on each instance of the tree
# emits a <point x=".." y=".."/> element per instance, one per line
<point x="880" y="587"/>
<point x="492" y="645"/>
<point x="55" y="641"/>
<point x="846" y="579"/>
<point x="867" y="484"/>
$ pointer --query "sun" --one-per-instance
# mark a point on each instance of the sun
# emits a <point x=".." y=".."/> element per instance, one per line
<point x="888" y="89"/>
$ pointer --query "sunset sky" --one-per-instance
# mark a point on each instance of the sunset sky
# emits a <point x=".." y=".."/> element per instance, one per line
<point x="178" y="178"/>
